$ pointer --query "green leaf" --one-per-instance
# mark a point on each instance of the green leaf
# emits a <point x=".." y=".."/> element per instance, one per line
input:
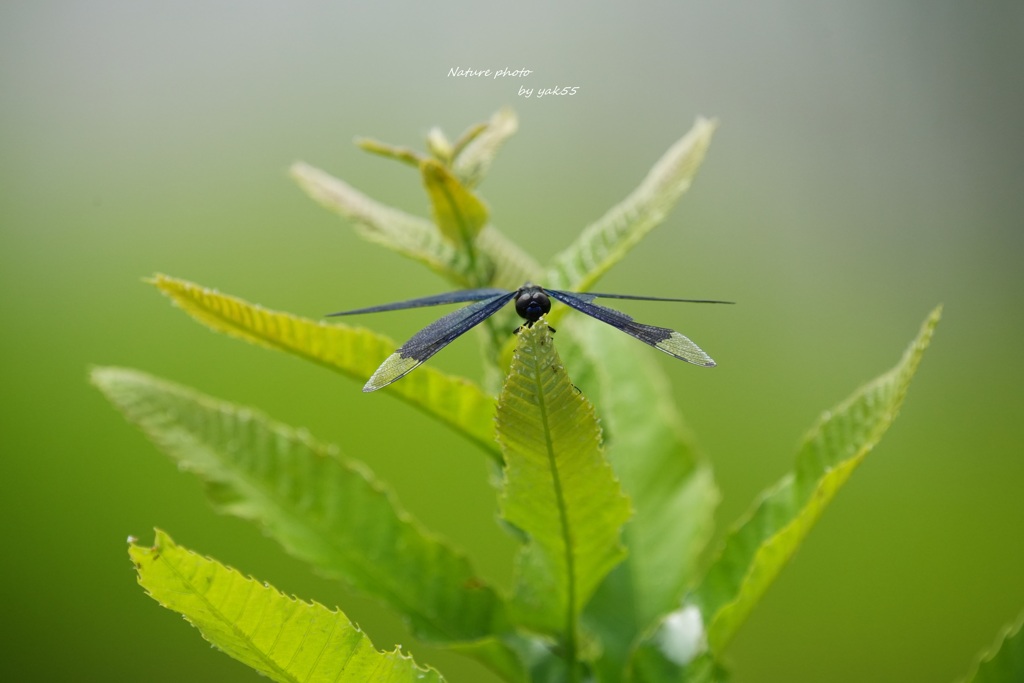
<point x="417" y="238"/>
<point x="352" y="351"/>
<point x="469" y="158"/>
<point x="280" y="637"/>
<point x="411" y="236"/>
<point x="558" y="489"/>
<point x="476" y="149"/>
<point x="670" y="486"/>
<point x="677" y="651"/>
<point x="510" y="267"/>
<point x="402" y="154"/>
<point x="459" y="214"/>
<point x="1004" y="663"/>
<point x="651" y="666"/>
<point x="473" y="153"/>
<point x="322" y="508"/>
<point x="755" y="552"/>
<point x="605" y="242"/>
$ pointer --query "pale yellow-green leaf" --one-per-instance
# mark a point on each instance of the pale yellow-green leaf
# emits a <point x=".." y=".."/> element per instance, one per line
<point x="505" y="264"/>
<point x="411" y="236"/>
<point x="353" y="351"/>
<point x="282" y="638"/>
<point x="605" y="242"/>
<point x="475" y="150"/>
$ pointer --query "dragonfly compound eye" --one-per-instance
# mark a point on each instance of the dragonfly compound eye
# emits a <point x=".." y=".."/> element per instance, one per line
<point x="531" y="304"/>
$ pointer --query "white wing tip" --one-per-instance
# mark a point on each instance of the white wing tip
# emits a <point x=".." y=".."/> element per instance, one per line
<point x="394" y="368"/>
<point x="682" y="348"/>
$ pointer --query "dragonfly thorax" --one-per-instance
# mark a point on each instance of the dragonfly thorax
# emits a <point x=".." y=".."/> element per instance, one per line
<point x="532" y="303"/>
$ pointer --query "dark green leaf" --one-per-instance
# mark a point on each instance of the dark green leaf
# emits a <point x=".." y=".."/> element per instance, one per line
<point x="325" y="509"/>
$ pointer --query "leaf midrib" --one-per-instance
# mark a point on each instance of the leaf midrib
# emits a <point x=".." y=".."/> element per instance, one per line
<point x="216" y="611"/>
<point x="566" y="526"/>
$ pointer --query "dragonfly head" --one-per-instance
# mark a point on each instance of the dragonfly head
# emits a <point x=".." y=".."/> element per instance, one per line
<point x="532" y="303"/>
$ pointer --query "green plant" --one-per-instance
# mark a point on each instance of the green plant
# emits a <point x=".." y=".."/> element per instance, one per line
<point x="612" y="581"/>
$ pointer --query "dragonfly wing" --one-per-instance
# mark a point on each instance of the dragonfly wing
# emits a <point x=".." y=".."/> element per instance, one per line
<point x="435" y="337"/>
<point x="394" y="368"/>
<point x="436" y="300"/>
<point x="594" y="295"/>
<point x="661" y="338"/>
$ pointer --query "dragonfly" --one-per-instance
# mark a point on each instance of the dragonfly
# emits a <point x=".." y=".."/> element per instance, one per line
<point x="532" y="301"/>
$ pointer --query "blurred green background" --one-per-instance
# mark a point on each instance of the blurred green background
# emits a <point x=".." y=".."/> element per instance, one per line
<point x="868" y="167"/>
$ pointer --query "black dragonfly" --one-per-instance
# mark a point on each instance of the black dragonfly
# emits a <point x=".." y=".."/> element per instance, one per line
<point x="532" y="301"/>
